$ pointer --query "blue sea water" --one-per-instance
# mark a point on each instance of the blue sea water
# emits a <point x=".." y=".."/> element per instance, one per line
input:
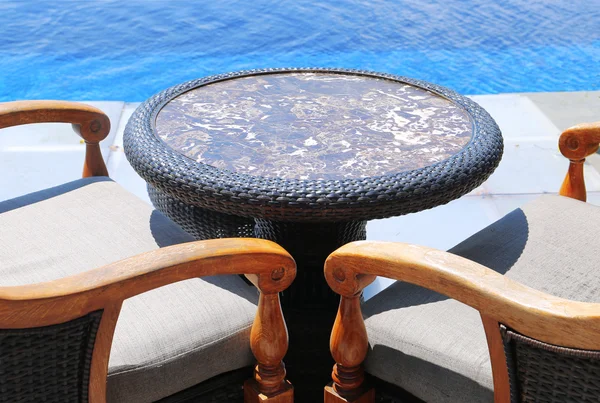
<point x="131" y="49"/>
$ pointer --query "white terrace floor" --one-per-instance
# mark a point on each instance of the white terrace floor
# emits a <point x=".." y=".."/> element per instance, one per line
<point x="36" y="157"/>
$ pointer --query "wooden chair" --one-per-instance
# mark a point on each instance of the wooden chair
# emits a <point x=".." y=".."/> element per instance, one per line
<point x="533" y="280"/>
<point x="92" y="294"/>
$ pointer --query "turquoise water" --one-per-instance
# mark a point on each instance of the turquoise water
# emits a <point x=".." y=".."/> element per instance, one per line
<point x="129" y="50"/>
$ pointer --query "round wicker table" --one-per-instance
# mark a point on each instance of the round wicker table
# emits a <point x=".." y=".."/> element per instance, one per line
<point x="305" y="157"/>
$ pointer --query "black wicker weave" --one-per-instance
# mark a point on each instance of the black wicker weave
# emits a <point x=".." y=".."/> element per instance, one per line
<point x="48" y="364"/>
<point x="227" y="192"/>
<point x="199" y="222"/>
<point x="544" y="373"/>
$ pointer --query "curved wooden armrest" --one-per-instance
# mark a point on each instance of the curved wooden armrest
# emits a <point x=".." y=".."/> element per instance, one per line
<point x="576" y="143"/>
<point x="90" y="123"/>
<point x="497" y="298"/>
<point x="104" y="289"/>
<point x="534" y="313"/>
<point x="267" y="264"/>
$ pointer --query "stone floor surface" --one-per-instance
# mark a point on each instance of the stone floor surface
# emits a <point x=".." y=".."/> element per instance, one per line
<point x="40" y="156"/>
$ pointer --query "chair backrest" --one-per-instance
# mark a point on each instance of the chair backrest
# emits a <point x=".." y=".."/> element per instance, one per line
<point x="543" y="372"/>
<point x="48" y="363"/>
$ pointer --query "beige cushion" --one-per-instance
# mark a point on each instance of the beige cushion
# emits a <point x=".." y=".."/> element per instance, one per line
<point x="167" y="339"/>
<point x="435" y="347"/>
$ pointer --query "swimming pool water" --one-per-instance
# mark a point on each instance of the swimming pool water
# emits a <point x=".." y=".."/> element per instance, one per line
<point x="131" y="49"/>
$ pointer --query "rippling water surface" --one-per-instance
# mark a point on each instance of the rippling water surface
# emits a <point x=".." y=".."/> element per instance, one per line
<point x="129" y="50"/>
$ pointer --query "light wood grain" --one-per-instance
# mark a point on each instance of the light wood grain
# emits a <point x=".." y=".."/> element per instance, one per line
<point x="539" y="315"/>
<point x="100" y="355"/>
<point x="90" y="123"/>
<point x="349" y="344"/>
<point x="269" y="343"/>
<point x="498" y="359"/>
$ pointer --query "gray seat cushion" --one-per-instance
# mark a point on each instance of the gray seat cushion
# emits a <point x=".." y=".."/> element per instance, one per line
<point x="435" y="347"/>
<point x="167" y="339"/>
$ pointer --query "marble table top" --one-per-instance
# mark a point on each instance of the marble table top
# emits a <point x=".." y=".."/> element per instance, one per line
<point x="314" y="126"/>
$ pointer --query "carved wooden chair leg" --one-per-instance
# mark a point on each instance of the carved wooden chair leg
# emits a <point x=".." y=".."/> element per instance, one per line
<point x="269" y="343"/>
<point x="349" y="342"/>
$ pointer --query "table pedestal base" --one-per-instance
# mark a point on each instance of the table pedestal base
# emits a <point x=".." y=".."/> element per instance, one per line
<point x="309" y="305"/>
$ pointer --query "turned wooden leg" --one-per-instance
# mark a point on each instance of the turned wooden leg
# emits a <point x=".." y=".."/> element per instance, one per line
<point x="308" y="361"/>
<point x="574" y="184"/>
<point x="269" y="343"/>
<point x="349" y="345"/>
<point x="94" y="163"/>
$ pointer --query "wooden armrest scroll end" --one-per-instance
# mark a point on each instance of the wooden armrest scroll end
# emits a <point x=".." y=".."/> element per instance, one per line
<point x="576" y="143"/>
<point x="90" y="123"/>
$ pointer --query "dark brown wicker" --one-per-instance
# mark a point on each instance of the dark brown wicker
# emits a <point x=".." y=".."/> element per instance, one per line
<point x="48" y="364"/>
<point x="544" y="373"/>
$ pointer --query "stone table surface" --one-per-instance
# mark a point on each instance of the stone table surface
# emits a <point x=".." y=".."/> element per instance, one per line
<point x="314" y="126"/>
<point x="312" y="145"/>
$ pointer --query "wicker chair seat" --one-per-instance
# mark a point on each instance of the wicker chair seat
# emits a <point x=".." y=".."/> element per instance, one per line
<point x="166" y="340"/>
<point x="435" y="347"/>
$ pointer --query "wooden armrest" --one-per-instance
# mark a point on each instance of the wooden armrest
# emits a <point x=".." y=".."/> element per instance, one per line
<point x="267" y="264"/>
<point x="534" y="313"/>
<point x="576" y="143"/>
<point x="104" y="289"/>
<point x="90" y="123"/>
<point x="498" y="299"/>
